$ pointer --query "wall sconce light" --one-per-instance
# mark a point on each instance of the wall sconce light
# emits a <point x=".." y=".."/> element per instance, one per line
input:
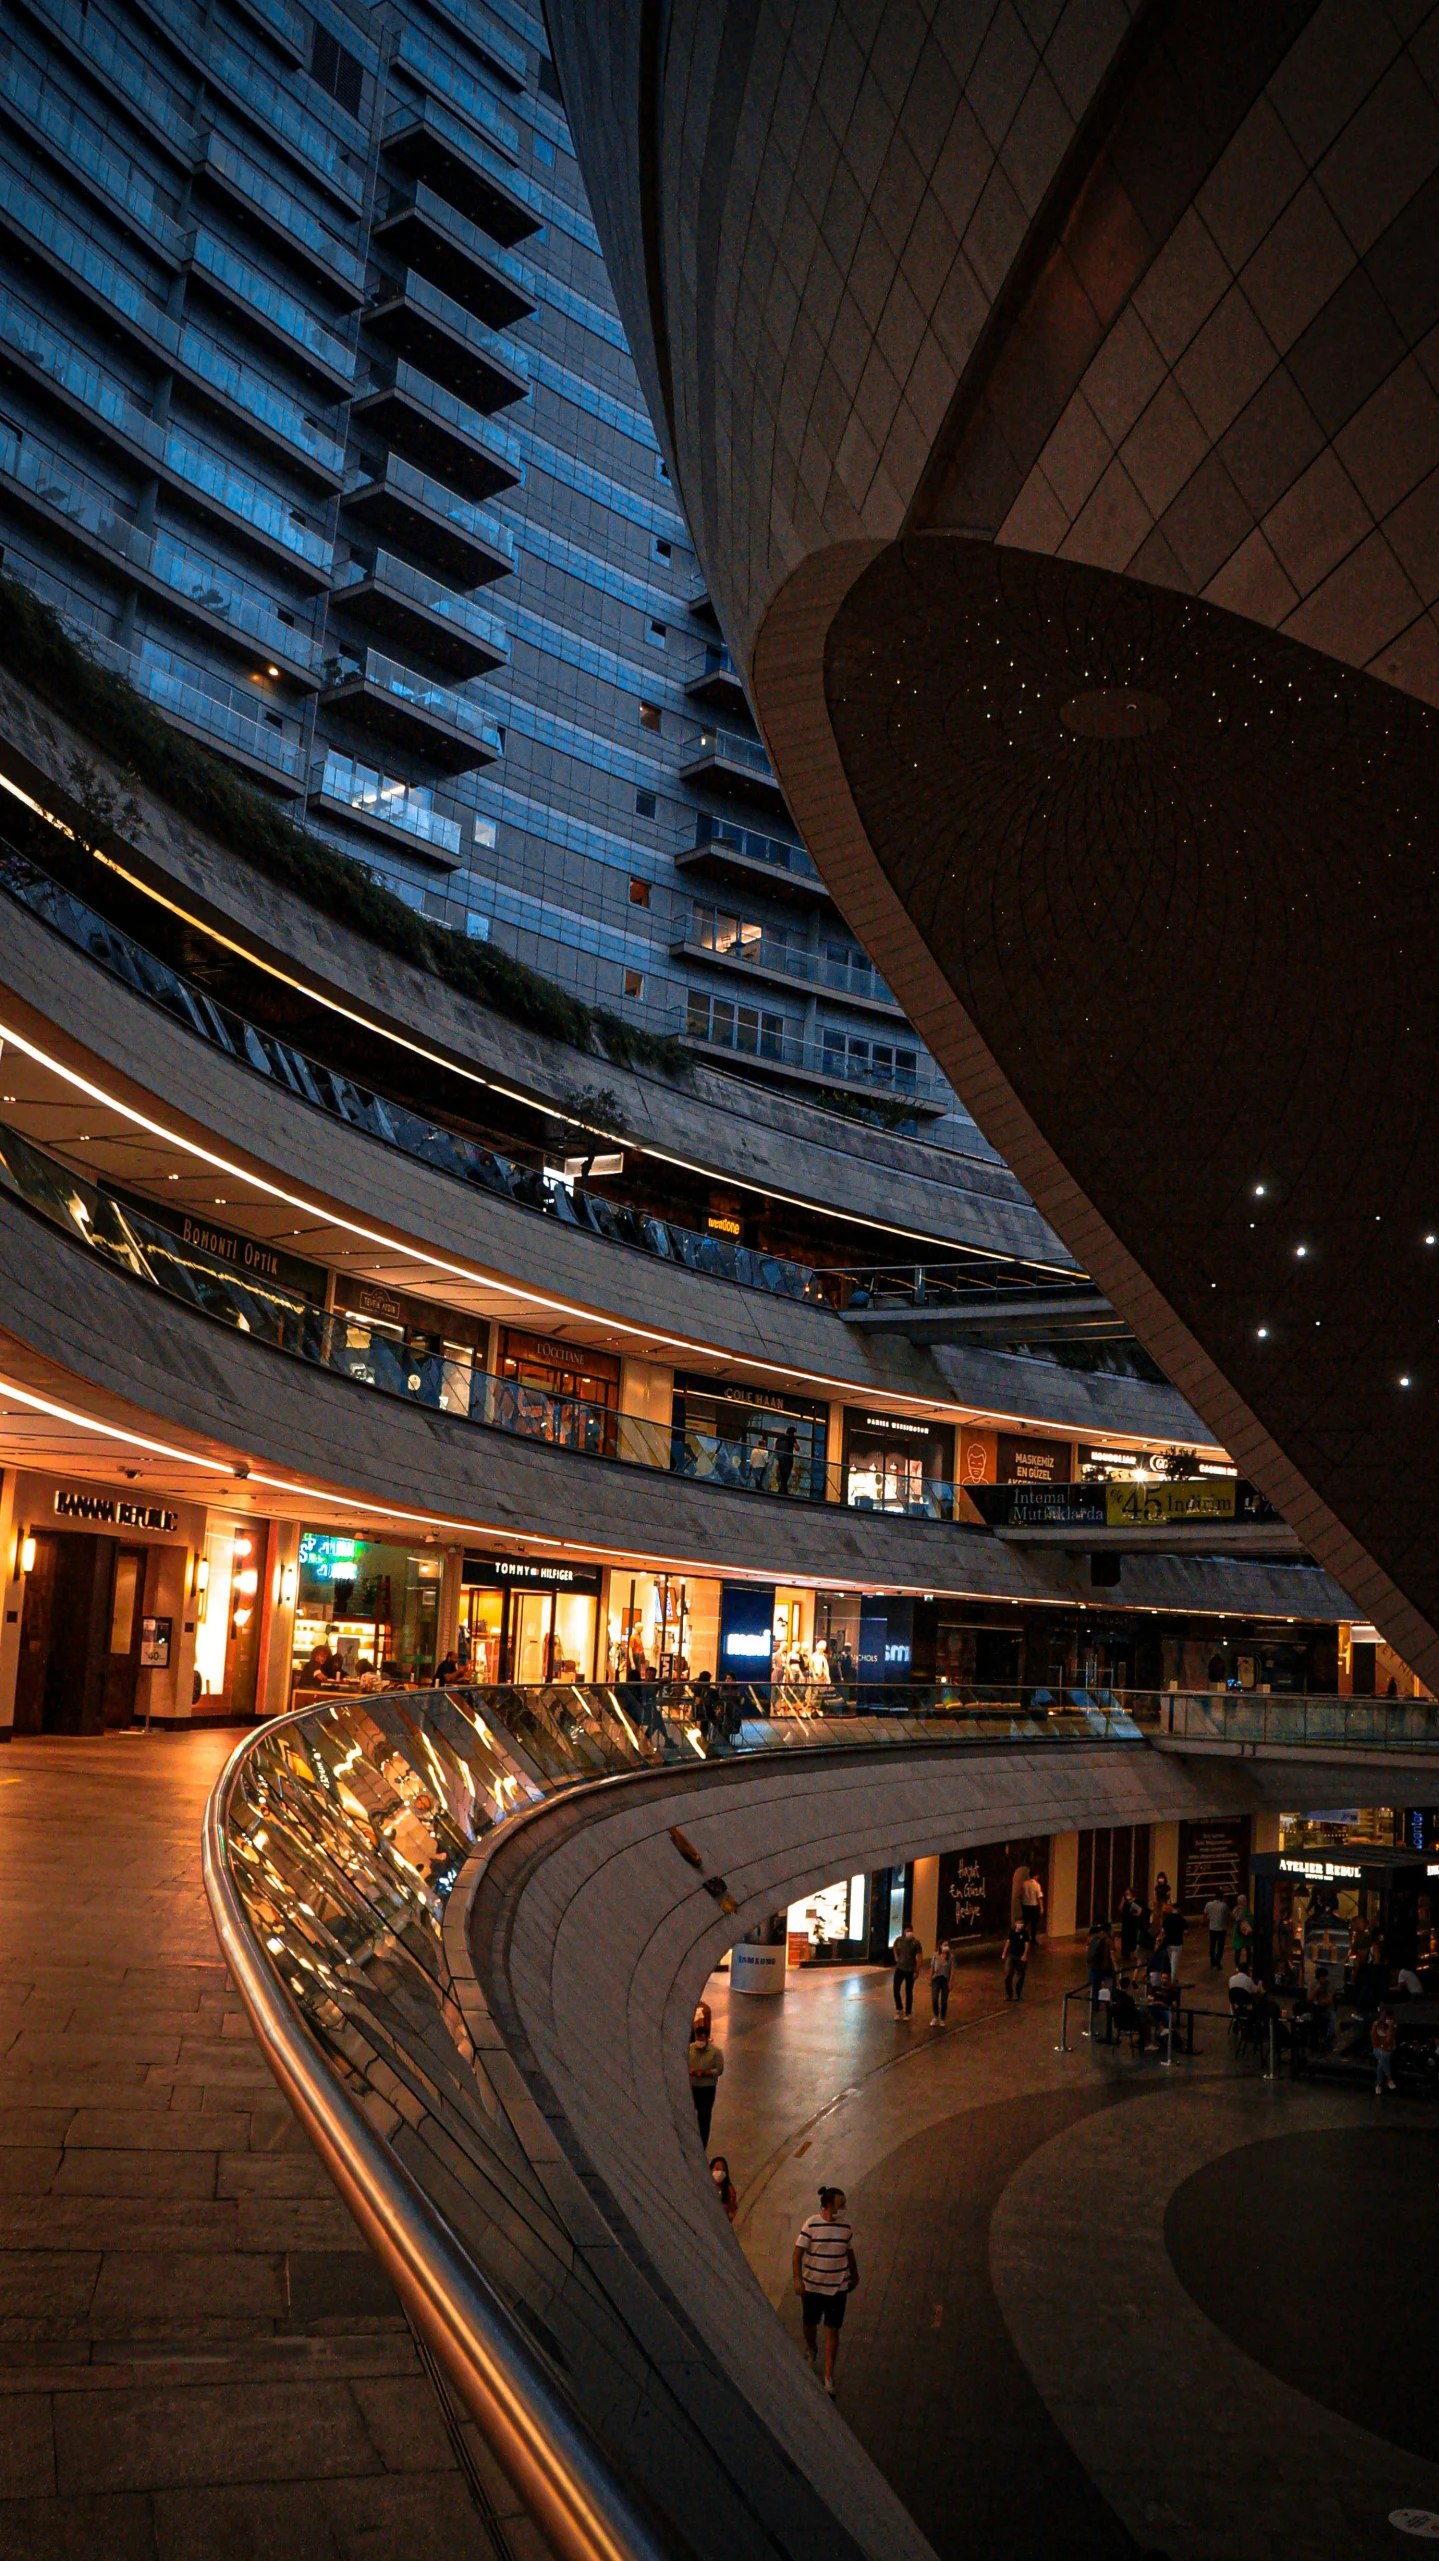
<point x="248" y="1582"/>
<point x="289" y="1585"/>
<point x="27" y="1555"/>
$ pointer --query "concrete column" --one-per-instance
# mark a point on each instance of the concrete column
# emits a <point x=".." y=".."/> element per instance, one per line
<point x="834" y="1459"/>
<point x="925" y="1906"/>
<point x="1063" y="1885"/>
<point x="1164" y="1854"/>
<point x="450" y="1601"/>
<point x="12" y="1589"/>
<point x="1263" y="1833"/>
<point x="647" y="1391"/>
<point x="277" y="1636"/>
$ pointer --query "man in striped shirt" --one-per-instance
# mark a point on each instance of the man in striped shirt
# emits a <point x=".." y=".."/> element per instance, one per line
<point x="826" y="2273"/>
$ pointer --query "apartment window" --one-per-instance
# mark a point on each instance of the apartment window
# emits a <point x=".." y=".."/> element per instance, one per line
<point x="645" y="804"/>
<point x="486" y="834"/>
<point x="662" y="469"/>
<point x="660" y="549"/>
<point x="335" y="71"/>
<point x="544" y="150"/>
<point x="477" y="927"/>
<point x="649" y="715"/>
<point x="634" y="982"/>
<point x="725" y="1025"/>
<point x="639" y="893"/>
<point x="548" y="80"/>
<point x="658" y="635"/>
<point x="713" y="930"/>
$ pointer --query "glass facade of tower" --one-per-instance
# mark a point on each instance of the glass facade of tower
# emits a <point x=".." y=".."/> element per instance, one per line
<point x="317" y="419"/>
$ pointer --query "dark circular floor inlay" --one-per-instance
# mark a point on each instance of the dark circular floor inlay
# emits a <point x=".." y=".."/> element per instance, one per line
<point x="1115" y="711"/>
<point x="1314" y="2253"/>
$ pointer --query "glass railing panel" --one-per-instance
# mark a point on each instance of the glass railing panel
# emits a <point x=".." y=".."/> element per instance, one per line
<point x="778" y="851"/>
<point x="214" y="476"/>
<point x="252" y="392"/>
<point x="231" y="599"/>
<point x="47" y="111"/>
<point x="426" y="297"/>
<point x="122" y="66"/>
<point x="435" y="69"/>
<point x="730" y="750"/>
<point x="438" y="700"/>
<point x="289" y="216"/>
<point x="286" y="115"/>
<point x="409" y="482"/>
<point x="282" y="310"/>
<point x="89" y="264"/>
<point x="456" y="413"/>
<point x="182" y="690"/>
<point x="102" y="394"/>
<point x="375" y="795"/>
<point x="401" y="578"/>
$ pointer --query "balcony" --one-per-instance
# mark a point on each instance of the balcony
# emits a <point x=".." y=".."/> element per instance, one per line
<point x="470" y="453"/>
<point x="401" y="709"/>
<point x="109" y="405"/>
<point x="247" y="738"/>
<point x="734" y="943"/>
<point x="425" y="233"/>
<point x="720" y="685"/>
<point x="290" y="121"/>
<point x="389" y="809"/>
<point x="748" y="859"/>
<point x="63" y="498"/>
<point x="121" y="67"/>
<point x="438" y="72"/>
<point x="429" y="143"/>
<point x="417" y="613"/>
<point x="257" y="198"/>
<point x="405" y="507"/>
<point x="445" y="340"/>
<point x="249" y="397"/>
<point x="287" y="28"/>
<point x="305" y="339"/>
<point x="85" y="155"/>
<point x="479" y="29"/>
<point x="773" y="1044"/>
<point x="721" y="762"/>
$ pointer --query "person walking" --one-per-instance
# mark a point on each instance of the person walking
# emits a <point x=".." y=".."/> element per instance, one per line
<point x="724" y="2185"/>
<point x="941" y="1967"/>
<point x="826" y="2273"/>
<point x="1383" y="2037"/>
<point x="706" y="2061"/>
<point x="1016" y="1959"/>
<point x="1216" y="1921"/>
<point x="1172" y="1930"/>
<point x="1031" y="1907"/>
<point x="905" y="1955"/>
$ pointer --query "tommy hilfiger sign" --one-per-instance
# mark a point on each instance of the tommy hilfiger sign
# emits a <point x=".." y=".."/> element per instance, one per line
<point x="114" y="1507"/>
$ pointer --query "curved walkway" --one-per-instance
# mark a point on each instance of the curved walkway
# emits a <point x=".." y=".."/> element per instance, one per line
<point x="198" y="2359"/>
<point x="1105" y="2308"/>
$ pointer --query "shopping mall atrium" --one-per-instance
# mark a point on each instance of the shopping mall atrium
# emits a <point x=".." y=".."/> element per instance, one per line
<point x="719" y="1269"/>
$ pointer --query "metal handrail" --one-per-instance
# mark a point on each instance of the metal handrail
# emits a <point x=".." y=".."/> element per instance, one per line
<point x="549" y="2456"/>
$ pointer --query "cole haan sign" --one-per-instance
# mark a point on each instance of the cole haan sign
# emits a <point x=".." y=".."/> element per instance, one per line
<point x="114" y="1507"/>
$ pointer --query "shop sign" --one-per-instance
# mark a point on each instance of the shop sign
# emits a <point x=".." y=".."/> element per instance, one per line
<point x="721" y="1224"/>
<point x="115" y="1508"/>
<point x="327" y="1557"/>
<point x="1136" y="1506"/>
<point x="155" y="1635"/>
<point x="250" y="1256"/>
<point x="528" y="1574"/>
<point x="746" y="1645"/>
<point x="579" y="1357"/>
<point x="1025" y="1462"/>
<point x="1323" y="1871"/>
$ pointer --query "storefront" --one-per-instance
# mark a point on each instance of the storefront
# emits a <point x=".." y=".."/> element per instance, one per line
<point x="529" y="1619"/>
<point x="665" y="1623"/>
<point x="1309" y="1904"/>
<point x="767" y="1633"/>
<point x="760" y="1439"/>
<point x="1014" y="1458"/>
<point x="229" y="1595"/>
<point x="566" y="1393"/>
<point x="440" y="1345"/>
<point x="100" y="1605"/>
<point x="363" y="1606"/>
<point x="831" y="1926"/>
<point x="895" y="1463"/>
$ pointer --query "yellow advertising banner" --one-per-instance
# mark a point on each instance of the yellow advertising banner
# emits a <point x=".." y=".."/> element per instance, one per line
<point x="1192" y="1499"/>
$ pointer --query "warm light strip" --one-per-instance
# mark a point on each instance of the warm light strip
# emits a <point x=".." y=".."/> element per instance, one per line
<point x="471" y="1075"/>
<point x="432" y="1262"/>
<point x="706" y="1567"/>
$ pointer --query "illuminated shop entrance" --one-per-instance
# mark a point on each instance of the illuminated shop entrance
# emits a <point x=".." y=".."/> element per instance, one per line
<point x="528" y="1619"/>
<point x="364" y="1607"/>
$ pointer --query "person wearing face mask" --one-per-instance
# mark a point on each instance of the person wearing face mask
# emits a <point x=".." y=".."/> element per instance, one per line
<point x="724" y="2185"/>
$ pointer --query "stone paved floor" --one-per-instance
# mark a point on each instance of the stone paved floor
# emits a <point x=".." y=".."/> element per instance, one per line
<point x="1106" y="2309"/>
<point x="198" y="2359"/>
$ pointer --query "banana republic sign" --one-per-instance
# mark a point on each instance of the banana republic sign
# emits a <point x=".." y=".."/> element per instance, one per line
<point x="114" y="1508"/>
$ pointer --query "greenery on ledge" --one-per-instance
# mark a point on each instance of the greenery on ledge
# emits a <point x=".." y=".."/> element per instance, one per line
<point x="38" y="649"/>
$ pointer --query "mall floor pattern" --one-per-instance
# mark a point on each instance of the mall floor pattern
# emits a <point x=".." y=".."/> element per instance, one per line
<point x="198" y="2360"/>
<point x="1106" y="2308"/>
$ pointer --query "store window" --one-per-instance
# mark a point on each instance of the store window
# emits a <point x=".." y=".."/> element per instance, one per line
<point x="409" y="1345"/>
<point x="364" y="1610"/>
<point x="758" y="1439"/>
<point x="895" y="1463"/>
<point x="830" y="1924"/>
<point x="561" y="1392"/>
<point x="227" y="1626"/>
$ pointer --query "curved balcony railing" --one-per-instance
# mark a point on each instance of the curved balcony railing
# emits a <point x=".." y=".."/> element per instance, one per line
<point x="333" y="1846"/>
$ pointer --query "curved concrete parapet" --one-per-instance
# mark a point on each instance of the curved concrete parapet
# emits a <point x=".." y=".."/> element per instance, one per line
<point x="84" y="1334"/>
<point x="1054" y="406"/>
<point x="410" y="1891"/>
